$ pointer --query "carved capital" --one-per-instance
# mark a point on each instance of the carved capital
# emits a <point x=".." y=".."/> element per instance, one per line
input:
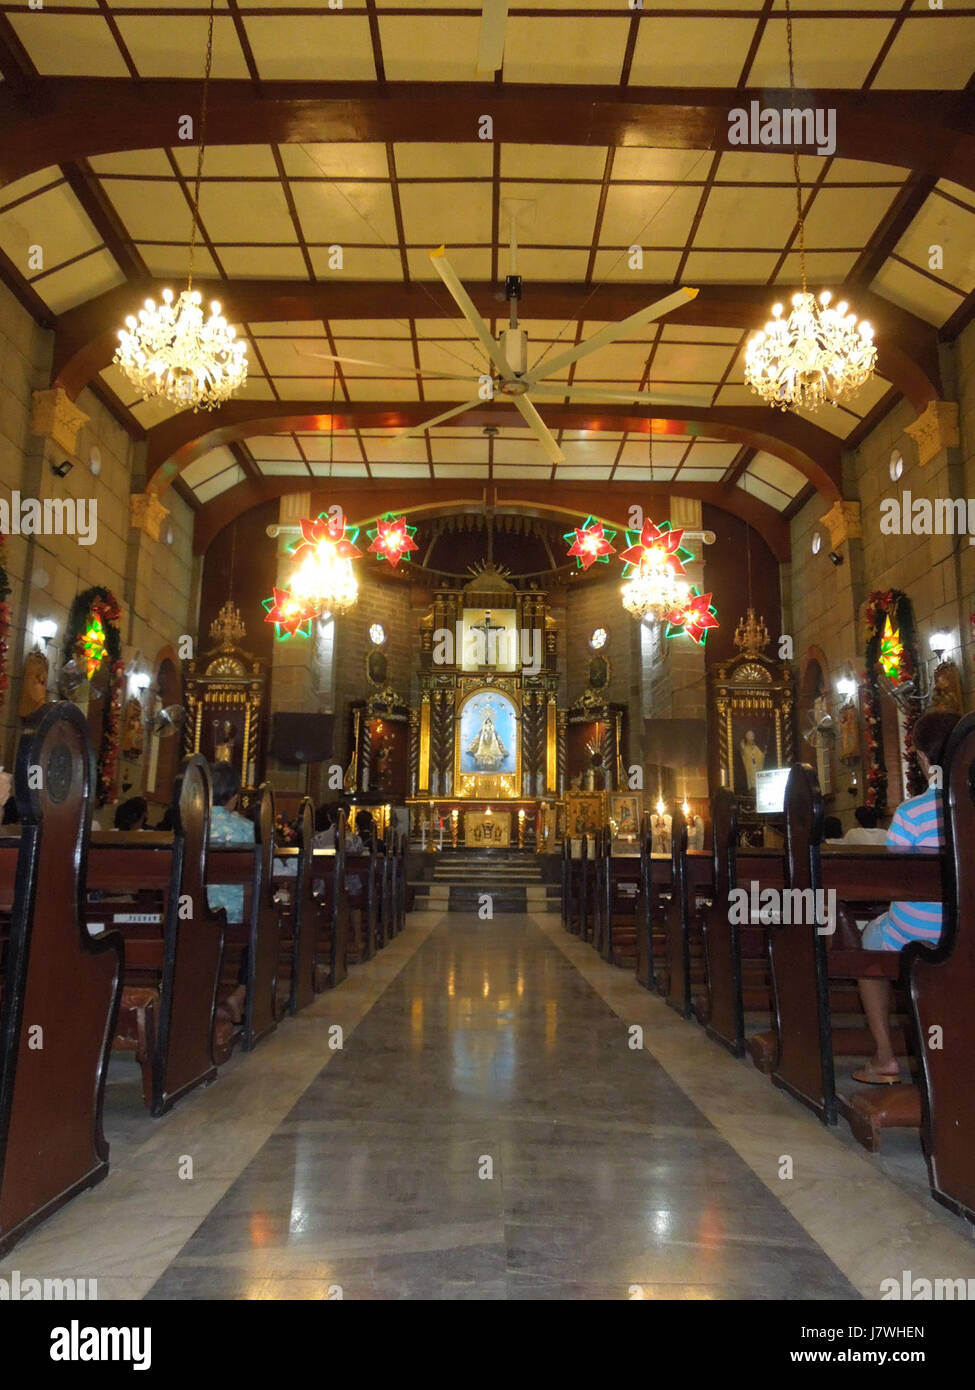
<point x="147" y="513"/>
<point x="57" y="418"/>
<point x="935" y="429"/>
<point x="843" y="523"/>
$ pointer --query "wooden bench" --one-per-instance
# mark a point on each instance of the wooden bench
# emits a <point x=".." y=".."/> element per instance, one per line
<point x="682" y="980"/>
<point x="61" y="986"/>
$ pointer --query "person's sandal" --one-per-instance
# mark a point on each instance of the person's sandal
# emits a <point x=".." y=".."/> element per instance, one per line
<point x="868" y="1077"/>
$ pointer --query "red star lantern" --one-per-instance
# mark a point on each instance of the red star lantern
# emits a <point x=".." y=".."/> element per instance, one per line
<point x="590" y="543"/>
<point x="659" y="545"/>
<point x="695" y="618"/>
<point x="392" y="539"/>
<point x="329" y="529"/>
<point x="285" y="610"/>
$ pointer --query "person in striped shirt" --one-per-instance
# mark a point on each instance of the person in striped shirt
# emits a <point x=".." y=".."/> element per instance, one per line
<point x="917" y="825"/>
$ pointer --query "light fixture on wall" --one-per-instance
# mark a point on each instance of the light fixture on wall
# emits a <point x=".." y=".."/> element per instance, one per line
<point x="44" y="630"/>
<point x="818" y="355"/>
<point x="141" y="681"/>
<point x="170" y="351"/>
<point x="846" y="688"/>
<point x="62" y="469"/>
<point x="939" y="642"/>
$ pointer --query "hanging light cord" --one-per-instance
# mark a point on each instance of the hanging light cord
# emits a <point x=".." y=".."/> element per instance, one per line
<point x="795" y="153"/>
<point x="202" y="146"/>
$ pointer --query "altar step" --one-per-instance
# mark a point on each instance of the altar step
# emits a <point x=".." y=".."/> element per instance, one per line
<point x="458" y="880"/>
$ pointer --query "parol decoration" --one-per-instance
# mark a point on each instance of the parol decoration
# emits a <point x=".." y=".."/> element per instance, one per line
<point x="392" y="539"/>
<point x="290" y="616"/>
<point x="590" y="542"/>
<point x="696" y="618"/>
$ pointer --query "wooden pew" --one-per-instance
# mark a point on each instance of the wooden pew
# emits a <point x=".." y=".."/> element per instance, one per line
<point x="619" y="907"/>
<point x="735" y="953"/>
<point x="258" y="938"/>
<point x="332" y="910"/>
<point x="804" y="960"/>
<point x="400" y="844"/>
<point x="299" y="917"/>
<point x="682" y="978"/>
<point x="942" y="987"/>
<point x="57" y="978"/>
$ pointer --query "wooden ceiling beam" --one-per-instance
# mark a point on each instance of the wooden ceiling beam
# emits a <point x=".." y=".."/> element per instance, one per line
<point x="175" y="443"/>
<point x="930" y="131"/>
<point x="88" y="334"/>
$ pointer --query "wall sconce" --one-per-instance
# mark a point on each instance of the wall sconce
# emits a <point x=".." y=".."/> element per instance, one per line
<point x="44" y="630"/>
<point x="939" y="642"/>
<point x="846" y="687"/>
<point x="63" y="468"/>
<point x="140" y="681"/>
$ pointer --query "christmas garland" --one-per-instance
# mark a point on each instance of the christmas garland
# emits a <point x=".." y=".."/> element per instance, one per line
<point x="881" y="605"/>
<point x="92" y="631"/>
<point x="4" y="620"/>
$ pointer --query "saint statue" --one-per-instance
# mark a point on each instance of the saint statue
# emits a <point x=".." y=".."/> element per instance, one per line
<point x="752" y="757"/>
<point x="486" y="748"/>
<point x="224" y="737"/>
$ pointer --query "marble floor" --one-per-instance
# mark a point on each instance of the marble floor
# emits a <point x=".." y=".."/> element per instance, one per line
<point x="507" y="1118"/>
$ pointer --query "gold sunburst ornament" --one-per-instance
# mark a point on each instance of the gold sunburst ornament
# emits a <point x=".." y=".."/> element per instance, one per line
<point x="817" y="355"/>
<point x="171" y="351"/>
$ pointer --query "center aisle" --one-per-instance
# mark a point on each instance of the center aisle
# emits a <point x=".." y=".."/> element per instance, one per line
<point x="488" y="1132"/>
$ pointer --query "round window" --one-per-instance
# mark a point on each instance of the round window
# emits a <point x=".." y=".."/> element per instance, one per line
<point x="598" y="638"/>
<point x="377" y="634"/>
<point x="896" y="465"/>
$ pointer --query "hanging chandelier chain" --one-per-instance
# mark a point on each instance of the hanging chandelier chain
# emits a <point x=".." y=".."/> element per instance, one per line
<point x="800" y="219"/>
<point x="202" y="145"/>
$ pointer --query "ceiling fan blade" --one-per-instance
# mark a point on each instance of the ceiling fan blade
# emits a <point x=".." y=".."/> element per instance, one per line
<point x="490" y="46"/>
<point x="538" y="426"/>
<point x="414" y="430"/>
<point x="595" y="394"/>
<point x="466" y="306"/>
<point x="384" y="366"/>
<point x="612" y="332"/>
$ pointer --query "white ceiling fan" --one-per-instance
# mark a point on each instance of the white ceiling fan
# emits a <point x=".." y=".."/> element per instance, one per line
<point x="508" y="375"/>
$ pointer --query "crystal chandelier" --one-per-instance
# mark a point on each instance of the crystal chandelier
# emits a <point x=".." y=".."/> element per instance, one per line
<point x="324" y="581"/>
<point x="818" y="355"/>
<point x="653" y="592"/>
<point x="170" y="351"/>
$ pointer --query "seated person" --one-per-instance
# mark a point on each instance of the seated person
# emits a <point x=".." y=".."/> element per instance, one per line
<point x="866" y="831"/>
<point x="167" y="820"/>
<point x="832" y="830"/>
<point x="131" y="814"/>
<point x="365" y="826"/>
<point x="228" y="827"/>
<point x="917" y="824"/>
<point x="324" y="836"/>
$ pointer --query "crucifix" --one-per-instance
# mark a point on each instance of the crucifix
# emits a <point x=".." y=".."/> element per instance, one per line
<point x="487" y="645"/>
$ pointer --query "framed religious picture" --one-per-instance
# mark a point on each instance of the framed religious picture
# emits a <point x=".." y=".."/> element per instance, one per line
<point x="754" y="748"/>
<point x="585" y="813"/>
<point x="625" y="812"/>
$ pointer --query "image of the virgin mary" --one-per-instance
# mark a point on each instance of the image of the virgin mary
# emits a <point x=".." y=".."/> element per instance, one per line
<point x="486" y="748"/>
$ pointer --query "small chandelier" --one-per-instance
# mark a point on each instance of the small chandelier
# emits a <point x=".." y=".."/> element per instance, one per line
<point x="655" y="588"/>
<point x="819" y="355"/>
<point x="170" y="351"/>
<point x="324" y="581"/>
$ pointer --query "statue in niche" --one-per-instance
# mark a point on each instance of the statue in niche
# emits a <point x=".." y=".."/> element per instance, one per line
<point x="752" y="757"/>
<point x="946" y="688"/>
<point x="849" y="733"/>
<point x="33" y="692"/>
<point x="132" y="732"/>
<point x="695" y="831"/>
<point x="486" y="748"/>
<point x="660" y="826"/>
<point x="224" y="737"/>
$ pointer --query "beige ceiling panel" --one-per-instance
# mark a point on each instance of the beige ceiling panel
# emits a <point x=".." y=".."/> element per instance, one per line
<point x="228" y="162"/>
<point x="846" y="216"/>
<point x="358" y="263"/>
<point x="547" y="265"/>
<point x="756" y="488"/>
<point x="172" y="262"/>
<point x="649" y="217"/>
<point x="525" y="471"/>
<point x="318" y="48"/>
<point x="658" y="268"/>
<point x="828" y="52"/>
<point x="600" y="436"/>
<point x="943" y="224"/>
<point x="154" y="412"/>
<point x="468" y="470"/>
<point x="53" y="222"/>
<point x="370" y="328"/>
<point x="955" y="190"/>
<point x="825" y="269"/>
<point x="471" y="159"/>
<point x="544" y="331"/>
<point x="343" y="160"/>
<point x="175" y="46"/>
<point x="151" y="211"/>
<point x="458" y="451"/>
<point x="332" y="213"/>
<point x="282" y="470"/>
<point x="438" y="213"/>
<point x="762" y="166"/>
<point x="466" y="359"/>
<point x="400" y="470"/>
<point x="916" y="292"/>
<point x="777" y="473"/>
<point x="255" y="388"/>
<point x="931" y="50"/>
<point x="861" y="171"/>
<point x="289" y="329"/>
<point x="396" y="356"/>
<point x="710" y="453"/>
<point x="747" y="217"/>
<point x="687" y="362"/>
<point x="339" y="470"/>
<point x="207" y="466"/>
<point x="690" y="52"/>
<point x="562" y="216"/>
<point x="364" y="388"/>
<point x="450" y="326"/>
<point x="567" y="50"/>
<point x="736" y="394"/>
<point x="273" y="446"/>
<point x="661" y="166"/>
<point x="310" y="388"/>
<point x="470" y="263"/>
<point x="589" y="452"/>
<point x="870" y="393"/>
<point x="392" y="450"/>
<point x="142" y="162"/>
<point x="119" y="384"/>
<point x="707" y="267"/>
<point x="690" y="333"/>
<point x="222" y="483"/>
<point x="71" y="45"/>
<point x="642" y="475"/>
<point x="263" y="262"/>
<point x="430" y="48"/>
<point x="83" y="280"/>
<point x="834" y="419"/>
<point x="619" y="362"/>
<point x="700" y="475"/>
<point x="667" y="453"/>
<point x="552" y="162"/>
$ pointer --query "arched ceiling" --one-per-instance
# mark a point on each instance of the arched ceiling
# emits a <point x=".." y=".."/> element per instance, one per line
<point x="359" y="127"/>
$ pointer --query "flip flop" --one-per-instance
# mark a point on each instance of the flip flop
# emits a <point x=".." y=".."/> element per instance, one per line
<point x="868" y="1077"/>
